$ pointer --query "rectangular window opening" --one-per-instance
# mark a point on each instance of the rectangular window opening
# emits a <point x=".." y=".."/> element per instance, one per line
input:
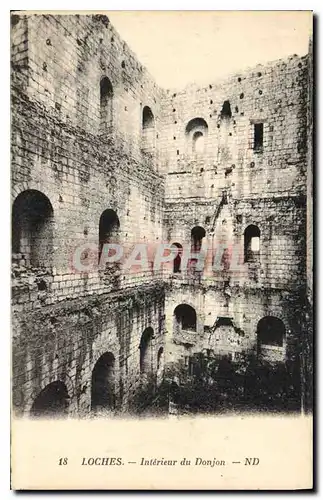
<point x="258" y="136"/>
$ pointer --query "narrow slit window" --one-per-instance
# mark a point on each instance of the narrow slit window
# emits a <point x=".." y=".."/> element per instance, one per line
<point x="258" y="136"/>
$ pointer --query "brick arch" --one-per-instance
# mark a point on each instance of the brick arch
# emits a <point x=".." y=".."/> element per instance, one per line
<point x="279" y="325"/>
<point x="275" y="314"/>
<point x="252" y="223"/>
<point x="199" y="119"/>
<point x="110" y="76"/>
<point x="178" y="323"/>
<point x="104" y="349"/>
<point x="103" y="342"/>
<point x="54" y="377"/>
<point x="187" y="303"/>
<point x="151" y="106"/>
<point x="17" y="189"/>
<point x="200" y="314"/>
<point x="100" y="346"/>
<point x="192" y="225"/>
<point x="104" y="205"/>
<point x="251" y="232"/>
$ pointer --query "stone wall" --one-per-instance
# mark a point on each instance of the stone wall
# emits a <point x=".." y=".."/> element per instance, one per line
<point x="225" y="187"/>
<point x="64" y="342"/>
<point x="60" y="152"/>
<point x="274" y="95"/>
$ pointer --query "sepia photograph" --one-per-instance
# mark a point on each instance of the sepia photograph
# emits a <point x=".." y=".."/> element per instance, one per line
<point x="162" y="229"/>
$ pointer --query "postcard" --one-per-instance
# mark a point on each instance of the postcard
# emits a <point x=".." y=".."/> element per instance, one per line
<point x="162" y="250"/>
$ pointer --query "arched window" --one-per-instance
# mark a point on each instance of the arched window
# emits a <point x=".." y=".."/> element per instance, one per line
<point x="185" y="318"/>
<point x="226" y="110"/>
<point x="196" y="133"/>
<point x="106" y="103"/>
<point x="51" y="402"/>
<point x="109" y="228"/>
<point x="32" y="228"/>
<point x="146" y="353"/>
<point x="251" y="243"/>
<point x="197" y="235"/>
<point x="178" y="251"/>
<point x="198" y="142"/>
<point x="103" y="383"/>
<point x="148" y="130"/>
<point x="270" y="332"/>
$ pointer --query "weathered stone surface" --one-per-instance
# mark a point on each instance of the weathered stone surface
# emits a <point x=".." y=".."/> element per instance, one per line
<point x="150" y="172"/>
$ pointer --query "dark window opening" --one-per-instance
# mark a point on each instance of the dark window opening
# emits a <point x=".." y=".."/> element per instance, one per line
<point x="270" y="331"/>
<point x="185" y="318"/>
<point x="251" y="243"/>
<point x="226" y="110"/>
<point x="258" y="136"/>
<point x="53" y="401"/>
<point x="41" y="285"/>
<point x="106" y="96"/>
<point x="148" y="130"/>
<point x="196" y="123"/>
<point x="148" y="120"/>
<point x="223" y="321"/>
<point x="103" y="383"/>
<point x="178" y="250"/>
<point x="32" y="228"/>
<point x="197" y="235"/>
<point x="145" y="347"/>
<point x="109" y="227"/>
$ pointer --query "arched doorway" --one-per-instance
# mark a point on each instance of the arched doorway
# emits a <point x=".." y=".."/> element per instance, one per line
<point x="146" y="352"/>
<point x="103" y="383"/>
<point x="52" y="401"/>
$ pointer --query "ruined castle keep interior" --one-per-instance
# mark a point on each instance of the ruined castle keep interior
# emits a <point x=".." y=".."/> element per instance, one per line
<point x="100" y="153"/>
